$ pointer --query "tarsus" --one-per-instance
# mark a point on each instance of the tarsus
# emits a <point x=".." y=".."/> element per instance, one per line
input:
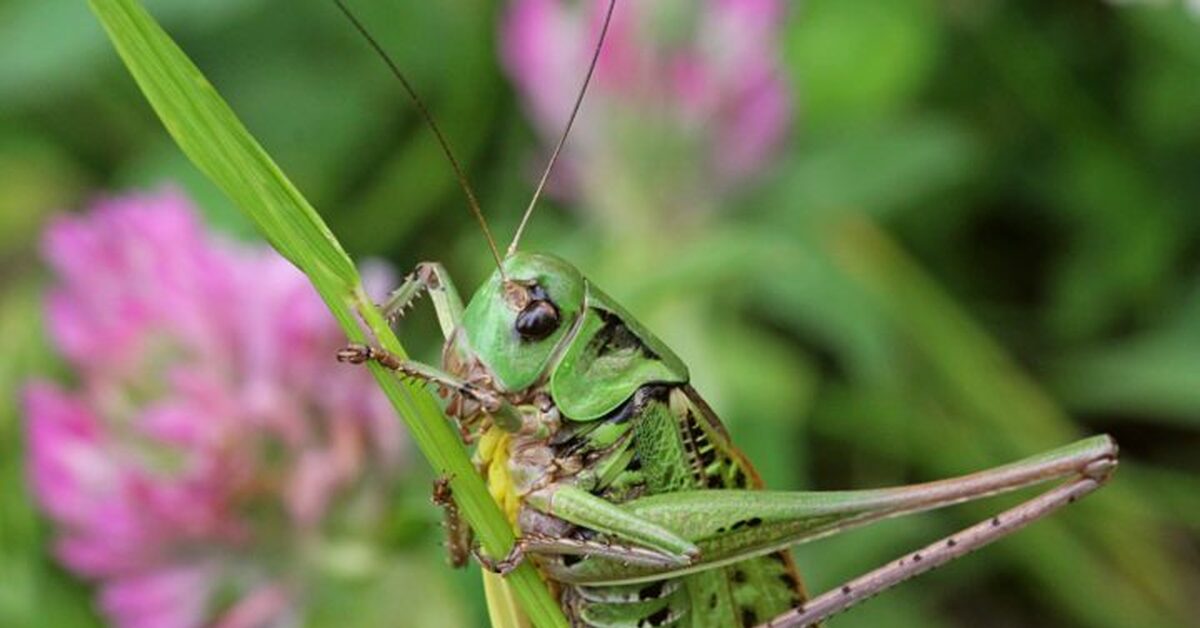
<point x="563" y="140"/>
<point x="412" y="94"/>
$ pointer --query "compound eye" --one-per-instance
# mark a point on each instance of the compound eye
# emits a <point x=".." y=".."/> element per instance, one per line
<point x="538" y="320"/>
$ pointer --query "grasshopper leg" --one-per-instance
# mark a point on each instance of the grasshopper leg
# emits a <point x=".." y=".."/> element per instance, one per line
<point x="458" y="534"/>
<point x="638" y="541"/>
<point x="946" y="549"/>
<point x="731" y="525"/>
<point x="545" y="545"/>
<point x="595" y="513"/>
<point x="432" y="278"/>
<point x="502" y="412"/>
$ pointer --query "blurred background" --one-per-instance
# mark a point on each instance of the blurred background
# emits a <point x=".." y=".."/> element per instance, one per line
<point x="894" y="241"/>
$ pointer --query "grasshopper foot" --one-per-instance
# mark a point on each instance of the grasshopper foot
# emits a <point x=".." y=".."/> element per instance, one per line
<point x="356" y="353"/>
<point x="505" y="565"/>
<point x="442" y="495"/>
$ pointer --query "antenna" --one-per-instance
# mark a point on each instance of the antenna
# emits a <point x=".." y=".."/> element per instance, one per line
<point x="412" y="94"/>
<point x="563" y="140"/>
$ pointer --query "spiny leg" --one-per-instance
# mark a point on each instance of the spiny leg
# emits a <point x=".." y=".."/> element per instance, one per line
<point x="501" y="411"/>
<point x="945" y="550"/>
<point x="428" y="277"/>
<point x="638" y="542"/>
<point x="589" y="511"/>
<point x="546" y="545"/>
<point x="731" y="525"/>
<point x="459" y="539"/>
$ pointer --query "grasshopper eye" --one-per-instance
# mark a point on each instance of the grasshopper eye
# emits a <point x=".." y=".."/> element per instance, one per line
<point x="538" y="320"/>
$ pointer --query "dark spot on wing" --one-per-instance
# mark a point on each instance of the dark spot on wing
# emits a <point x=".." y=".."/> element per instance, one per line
<point x="739" y="576"/>
<point x="749" y="618"/>
<point x="659" y="617"/>
<point x="752" y="522"/>
<point x="653" y="590"/>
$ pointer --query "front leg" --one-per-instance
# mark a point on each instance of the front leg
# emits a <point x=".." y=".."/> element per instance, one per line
<point x="502" y="412"/>
<point x="428" y="277"/>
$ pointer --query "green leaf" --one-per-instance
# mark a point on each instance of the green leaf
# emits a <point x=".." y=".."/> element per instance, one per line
<point x="211" y="135"/>
<point x="220" y="146"/>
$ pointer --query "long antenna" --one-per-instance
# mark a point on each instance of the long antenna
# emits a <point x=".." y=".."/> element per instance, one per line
<point x="412" y="94"/>
<point x="512" y="247"/>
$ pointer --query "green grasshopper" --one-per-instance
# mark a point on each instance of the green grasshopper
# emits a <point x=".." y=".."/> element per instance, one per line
<point x="622" y="483"/>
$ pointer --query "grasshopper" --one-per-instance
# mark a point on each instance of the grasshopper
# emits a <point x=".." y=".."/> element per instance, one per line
<point x="623" y="485"/>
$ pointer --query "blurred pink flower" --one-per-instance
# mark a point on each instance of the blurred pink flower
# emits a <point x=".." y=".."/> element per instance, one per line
<point x="211" y="430"/>
<point x="688" y="95"/>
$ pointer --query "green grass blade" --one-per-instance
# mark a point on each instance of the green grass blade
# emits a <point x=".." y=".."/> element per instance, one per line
<point x="215" y="140"/>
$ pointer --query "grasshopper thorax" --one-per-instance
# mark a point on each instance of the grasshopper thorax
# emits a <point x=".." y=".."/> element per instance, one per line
<point x="538" y="327"/>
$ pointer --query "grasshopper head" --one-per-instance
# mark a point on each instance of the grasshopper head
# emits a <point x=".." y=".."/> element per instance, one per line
<point x="514" y="325"/>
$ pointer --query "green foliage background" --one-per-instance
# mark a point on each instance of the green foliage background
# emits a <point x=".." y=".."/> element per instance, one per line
<point x="982" y="242"/>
